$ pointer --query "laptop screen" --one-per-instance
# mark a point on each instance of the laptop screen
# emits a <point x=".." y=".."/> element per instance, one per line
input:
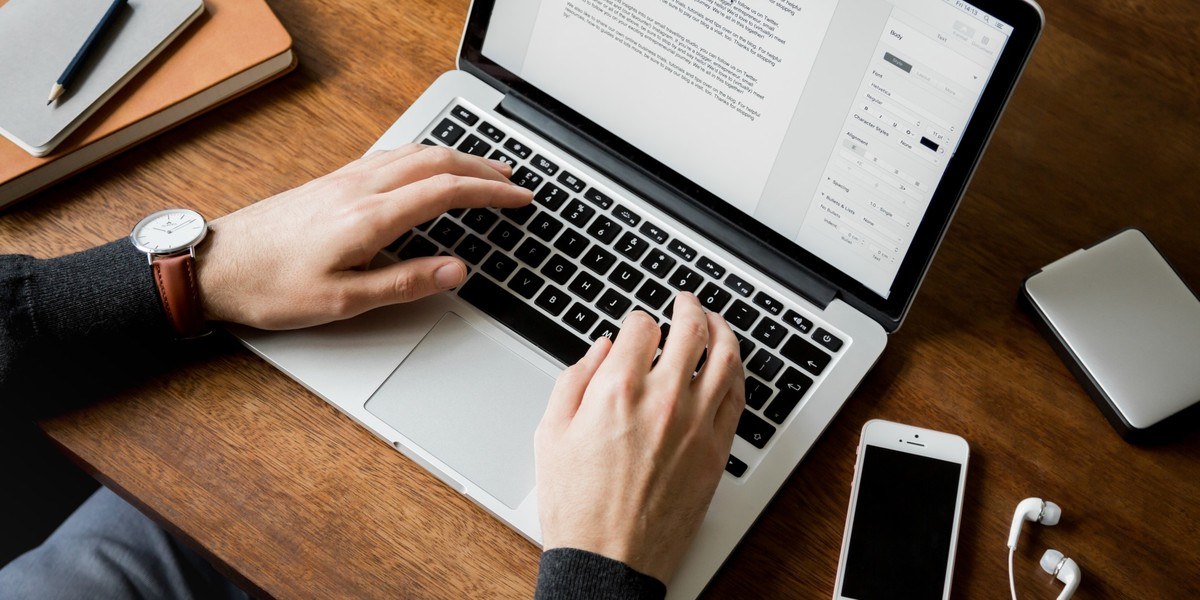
<point x="831" y="122"/>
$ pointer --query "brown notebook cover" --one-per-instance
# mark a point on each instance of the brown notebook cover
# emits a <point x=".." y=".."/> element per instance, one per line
<point x="232" y="39"/>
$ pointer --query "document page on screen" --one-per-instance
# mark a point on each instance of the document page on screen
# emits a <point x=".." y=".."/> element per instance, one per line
<point x="829" y="121"/>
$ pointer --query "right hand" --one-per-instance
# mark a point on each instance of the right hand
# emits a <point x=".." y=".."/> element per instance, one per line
<point x="628" y="455"/>
<point x="300" y="258"/>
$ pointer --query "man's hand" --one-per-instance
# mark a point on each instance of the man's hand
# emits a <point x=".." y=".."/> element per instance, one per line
<point x="300" y="258"/>
<point x="629" y="455"/>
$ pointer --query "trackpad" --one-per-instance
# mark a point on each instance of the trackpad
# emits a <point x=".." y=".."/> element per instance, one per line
<point x="470" y="402"/>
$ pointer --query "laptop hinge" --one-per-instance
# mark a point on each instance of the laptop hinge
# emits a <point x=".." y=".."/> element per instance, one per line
<point x="668" y="198"/>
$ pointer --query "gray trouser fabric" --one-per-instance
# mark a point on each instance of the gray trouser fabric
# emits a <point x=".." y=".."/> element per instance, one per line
<point x="107" y="549"/>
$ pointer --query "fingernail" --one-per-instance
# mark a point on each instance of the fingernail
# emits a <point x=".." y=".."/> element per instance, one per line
<point x="448" y="275"/>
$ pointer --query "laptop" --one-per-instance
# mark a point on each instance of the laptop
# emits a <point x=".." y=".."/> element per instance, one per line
<point x="795" y="165"/>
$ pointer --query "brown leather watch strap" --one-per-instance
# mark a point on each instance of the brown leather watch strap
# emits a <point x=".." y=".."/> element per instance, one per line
<point x="175" y="277"/>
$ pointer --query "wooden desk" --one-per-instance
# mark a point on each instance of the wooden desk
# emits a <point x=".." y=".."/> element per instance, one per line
<point x="1104" y="132"/>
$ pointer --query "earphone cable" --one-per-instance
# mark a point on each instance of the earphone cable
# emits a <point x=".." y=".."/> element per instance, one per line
<point x="1012" y="584"/>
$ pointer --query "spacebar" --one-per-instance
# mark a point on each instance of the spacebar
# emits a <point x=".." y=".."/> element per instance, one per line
<point x="522" y="318"/>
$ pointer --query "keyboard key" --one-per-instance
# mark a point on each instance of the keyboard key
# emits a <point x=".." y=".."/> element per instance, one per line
<point x="520" y="214"/>
<point x="663" y="331"/>
<point x="544" y="165"/>
<point x="713" y="297"/>
<point x="649" y="230"/>
<point x="463" y="114"/>
<point x="631" y="246"/>
<point x="658" y="263"/>
<point x="799" y="323"/>
<point x="543" y="332"/>
<point x="739" y="285"/>
<point x="783" y="406"/>
<point x="604" y="229"/>
<point x="572" y="243"/>
<point x="735" y="467"/>
<point x="446" y="232"/>
<point x="745" y="346"/>
<point x="741" y="315"/>
<point x="578" y="213"/>
<point x="605" y="329"/>
<point x="626" y="215"/>
<point x="428" y="142"/>
<point x="772" y="305"/>
<point x="506" y="235"/>
<point x="517" y="148"/>
<point x="830" y="341"/>
<point x="545" y="226"/>
<point x="626" y="276"/>
<point x="707" y="265"/>
<point x="473" y="249"/>
<point x="571" y="181"/>
<point x="525" y="283"/>
<point x="682" y="250"/>
<point x="480" y="219"/>
<point x="765" y="365"/>
<point x="395" y="245"/>
<point x="504" y="158"/>
<point x="448" y="132"/>
<point x="757" y="393"/>
<point x="685" y="279"/>
<point x="585" y="286"/>
<point x="598" y="198"/>
<point x="474" y="145"/>
<point x="769" y="333"/>
<point x="559" y="269"/>
<point x="526" y="178"/>
<point x="652" y="294"/>
<point x="754" y="430"/>
<point x="598" y="259"/>
<point x="794" y="382"/>
<point x="416" y="248"/>
<point x="490" y="131"/>
<point x="553" y="300"/>
<point x="613" y="304"/>
<point x="580" y="318"/>
<point x="551" y="196"/>
<point x="532" y="252"/>
<point x="499" y="266"/>
<point x="809" y="357"/>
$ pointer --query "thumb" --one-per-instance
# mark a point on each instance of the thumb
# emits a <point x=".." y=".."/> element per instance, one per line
<point x="405" y="281"/>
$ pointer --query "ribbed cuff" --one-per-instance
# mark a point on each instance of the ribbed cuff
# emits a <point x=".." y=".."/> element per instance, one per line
<point x="568" y="573"/>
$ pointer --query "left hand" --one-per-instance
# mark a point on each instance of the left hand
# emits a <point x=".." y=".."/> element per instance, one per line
<point x="299" y="258"/>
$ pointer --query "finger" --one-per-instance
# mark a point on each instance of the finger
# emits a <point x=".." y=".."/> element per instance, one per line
<point x="405" y="208"/>
<point x="387" y="155"/>
<point x="633" y="351"/>
<point x="401" y="282"/>
<point x="573" y="382"/>
<point x="723" y="369"/>
<point x="427" y="163"/>
<point x="728" y="414"/>
<point x="689" y="336"/>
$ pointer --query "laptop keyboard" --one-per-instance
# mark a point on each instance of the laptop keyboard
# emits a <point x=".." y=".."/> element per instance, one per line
<point x="569" y="267"/>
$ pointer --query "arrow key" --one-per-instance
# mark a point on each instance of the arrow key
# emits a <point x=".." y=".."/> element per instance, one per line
<point x="755" y="430"/>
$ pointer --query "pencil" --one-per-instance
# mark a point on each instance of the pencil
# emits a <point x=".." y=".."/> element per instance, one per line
<point x="72" y="69"/>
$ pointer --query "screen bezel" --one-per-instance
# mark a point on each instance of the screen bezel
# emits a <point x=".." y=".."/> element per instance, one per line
<point x="905" y="438"/>
<point x="1026" y="20"/>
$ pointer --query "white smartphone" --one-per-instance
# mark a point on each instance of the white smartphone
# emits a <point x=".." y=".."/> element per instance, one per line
<point x="905" y="504"/>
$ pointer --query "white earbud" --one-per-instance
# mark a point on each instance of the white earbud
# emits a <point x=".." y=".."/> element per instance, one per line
<point x="1064" y="569"/>
<point x="1032" y="509"/>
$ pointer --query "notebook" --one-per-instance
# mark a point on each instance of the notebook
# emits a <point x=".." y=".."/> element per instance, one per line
<point x="38" y="38"/>
<point x="233" y="47"/>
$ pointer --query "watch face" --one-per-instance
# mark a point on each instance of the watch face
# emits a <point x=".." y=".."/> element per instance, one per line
<point x="168" y="231"/>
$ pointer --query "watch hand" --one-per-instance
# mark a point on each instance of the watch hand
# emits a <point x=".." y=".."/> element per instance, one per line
<point x="177" y="227"/>
<point x="160" y="229"/>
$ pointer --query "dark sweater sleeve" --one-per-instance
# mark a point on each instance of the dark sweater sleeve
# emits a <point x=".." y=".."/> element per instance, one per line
<point x="567" y="573"/>
<point x="65" y="318"/>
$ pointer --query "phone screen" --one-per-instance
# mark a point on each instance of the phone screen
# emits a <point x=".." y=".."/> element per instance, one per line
<point x="903" y="525"/>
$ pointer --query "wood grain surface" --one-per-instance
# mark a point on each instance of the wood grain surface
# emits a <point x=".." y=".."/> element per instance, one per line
<point x="1103" y="133"/>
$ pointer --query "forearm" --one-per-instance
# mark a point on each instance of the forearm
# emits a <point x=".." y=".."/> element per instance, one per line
<point x="61" y="316"/>
<point x="570" y="574"/>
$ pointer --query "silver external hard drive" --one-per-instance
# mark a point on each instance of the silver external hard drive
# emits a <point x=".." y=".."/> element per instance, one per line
<point x="1128" y="327"/>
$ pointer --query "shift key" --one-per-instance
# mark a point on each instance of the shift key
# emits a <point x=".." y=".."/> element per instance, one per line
<point x="524" y="319"/>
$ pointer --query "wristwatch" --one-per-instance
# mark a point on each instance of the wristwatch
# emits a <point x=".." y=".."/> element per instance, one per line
<point x="169" y="238"/>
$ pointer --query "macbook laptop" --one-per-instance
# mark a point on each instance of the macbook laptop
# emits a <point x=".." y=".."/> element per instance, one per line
<point x="794" y="164"/>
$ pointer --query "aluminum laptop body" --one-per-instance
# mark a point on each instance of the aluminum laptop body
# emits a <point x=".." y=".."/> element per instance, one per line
<point x="817" y="254"/>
